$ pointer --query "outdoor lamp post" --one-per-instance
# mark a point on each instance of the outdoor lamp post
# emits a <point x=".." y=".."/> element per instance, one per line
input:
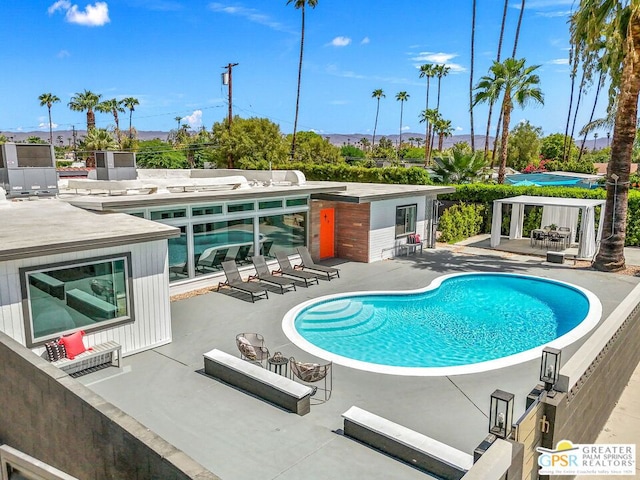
<point x="501" y="414"/>
<point x="550" y="367"/>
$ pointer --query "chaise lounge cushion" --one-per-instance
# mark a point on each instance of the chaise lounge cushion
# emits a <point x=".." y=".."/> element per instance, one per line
<point x="309" y="372"/>
<point x="246" y="348"/>
<point x="73" y="344"/>
<point x="55" y="351"/>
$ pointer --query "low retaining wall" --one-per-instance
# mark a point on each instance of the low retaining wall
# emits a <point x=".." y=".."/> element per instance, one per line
<point x="52" y="417"/>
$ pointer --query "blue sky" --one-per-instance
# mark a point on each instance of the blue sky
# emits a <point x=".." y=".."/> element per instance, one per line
<point x="169" y="54"/>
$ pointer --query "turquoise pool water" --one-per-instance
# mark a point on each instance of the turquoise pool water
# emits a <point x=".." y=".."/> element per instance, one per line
<point x="548" y="179"/>
<point x="462" y="320"/>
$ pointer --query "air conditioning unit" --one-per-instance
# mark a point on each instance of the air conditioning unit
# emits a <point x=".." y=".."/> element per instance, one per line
<point x="28" y="170"/>
<point x="115" y="165"/>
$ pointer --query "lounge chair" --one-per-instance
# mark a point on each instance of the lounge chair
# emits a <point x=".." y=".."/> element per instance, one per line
<point x="213" y="259"/>
<point x="266" y="248"/>
<point x="251" y="347"/>
<point x="234" y="280"/>
<point x="287" y="269"/>
<point x="242" y="254"/>
<point x="263" y="274"/>
<point x="312" y="373"/>
<point x="307" y="264"/>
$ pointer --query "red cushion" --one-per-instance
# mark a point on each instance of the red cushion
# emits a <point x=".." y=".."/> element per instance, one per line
<point x="73" y="344"/>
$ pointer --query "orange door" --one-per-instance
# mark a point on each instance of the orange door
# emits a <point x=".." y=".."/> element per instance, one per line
<point x="327" y="239"/>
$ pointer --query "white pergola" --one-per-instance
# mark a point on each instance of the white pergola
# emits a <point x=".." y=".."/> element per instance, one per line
<point x="563" y="212"/>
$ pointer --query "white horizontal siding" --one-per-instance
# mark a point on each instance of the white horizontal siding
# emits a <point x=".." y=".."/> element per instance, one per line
<point x="150" y="292"/>
<point x="382" y="237"/>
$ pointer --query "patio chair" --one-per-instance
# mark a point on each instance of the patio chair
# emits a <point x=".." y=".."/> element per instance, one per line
<point x="263" y="274"/>
<point x="252" y="349"/>
<point x="242" y="254"/>
<point x="309" y="373"/>
<point x="555" y="239"/>
<point x="234" y="280"/>
<point x="287" y="269"/>
<point x="308" y="264"/>
<point x="266" y="248"/>
<point x="213" y="259"/>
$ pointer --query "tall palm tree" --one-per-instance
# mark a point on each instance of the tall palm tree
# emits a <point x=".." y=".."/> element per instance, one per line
<point x="113" y="107"/>
<point x="473" y="47"/>
<point x="377" y="94"/>
<point x="516" y="82"/>
<point x="130" y="103"/>
<point x="427" y="71"/>
<point x="401" y="97"/>
<point x="618" y="24"/>
<point x="441" y="71"/>
<point x="49" y="99"/>
<point x="489" y="114"/>
<point x="299" y="5"/>
<point x="178" y="119"/>
<point x="86" y="101"/>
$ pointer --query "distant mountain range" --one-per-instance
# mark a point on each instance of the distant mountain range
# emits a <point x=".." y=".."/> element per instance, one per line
<point x="338" y="139"/>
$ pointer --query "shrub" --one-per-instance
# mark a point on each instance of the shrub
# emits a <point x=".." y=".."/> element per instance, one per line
<point x="461" y="221"/>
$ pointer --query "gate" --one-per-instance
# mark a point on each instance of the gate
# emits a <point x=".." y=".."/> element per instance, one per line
<point x="528" y="431"/>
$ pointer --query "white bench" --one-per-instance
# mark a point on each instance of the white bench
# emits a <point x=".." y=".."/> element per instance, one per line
<point x="407" y="445"/>
<point x="408" y="248"/>
<point x="254" y="379"/>
<point x="47" y="283"/>
<point x="90" y="305"/>
<point x="108" y="352"/>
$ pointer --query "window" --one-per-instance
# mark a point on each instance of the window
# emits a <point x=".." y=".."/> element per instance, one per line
<point x="295" y="202"/>
<point x="270" y="204"/>
<point x="166" y="214"/>
<point x="64" y="298"/>
<point x="208" y="210"/>
<point x="406" y="220"/>
<point x="215" y="242"/>
<point x="240" y="207"/>
<point x="282" y="233"/>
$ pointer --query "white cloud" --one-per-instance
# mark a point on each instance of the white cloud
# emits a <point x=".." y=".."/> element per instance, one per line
<point x="338" y="102"/>
<point x="45" y="125"/>
<point x="406" y="128"/>
<point x="439" y="58"/>
<point x="340" y="41"/>
<point x="559" y="61"/>
<point x="365" y="41"/>
<point x="63" y="54"/>
<point x="559" y="13"/>
<point x="459" y="129"/>
<point x="250" y="14"/>
<point x="194" y="120"/>
<point x="95" y="15"/>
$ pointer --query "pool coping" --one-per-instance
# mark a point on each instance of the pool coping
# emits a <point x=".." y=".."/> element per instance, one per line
<point x="583" y="328"/>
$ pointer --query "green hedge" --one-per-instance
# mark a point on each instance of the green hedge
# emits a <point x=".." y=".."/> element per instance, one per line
<point x="346" y="173"/>
<point x="461" y="221"/>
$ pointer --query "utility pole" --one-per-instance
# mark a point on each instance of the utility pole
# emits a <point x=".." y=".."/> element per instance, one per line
<point x="75" y="153"/>
<point x="227" y="80"/>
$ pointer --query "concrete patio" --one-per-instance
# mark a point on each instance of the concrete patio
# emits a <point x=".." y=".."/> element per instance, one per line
<point x="238" y="436"/>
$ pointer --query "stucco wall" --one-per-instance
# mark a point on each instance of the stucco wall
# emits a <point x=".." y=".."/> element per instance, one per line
<point x="52" y="417"/>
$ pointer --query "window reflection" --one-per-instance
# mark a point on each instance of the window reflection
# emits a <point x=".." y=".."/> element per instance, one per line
<point x="283" y="233"/>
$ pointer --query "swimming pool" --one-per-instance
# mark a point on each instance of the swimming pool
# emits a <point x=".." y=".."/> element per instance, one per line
<point x="549" y="179"/>
<point x="461" y="323"/>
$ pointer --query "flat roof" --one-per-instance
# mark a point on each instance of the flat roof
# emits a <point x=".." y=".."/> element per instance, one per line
<point x="369" y="192"/>
<point x="552" y="201"/>
<point x="33" y="228"/>
<point x="125" y="202"/>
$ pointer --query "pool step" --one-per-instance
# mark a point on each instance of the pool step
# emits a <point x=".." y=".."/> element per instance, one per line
<point x="332" y="306"/>
<point x="355" y="318"/>
<point x="345" y="311"/>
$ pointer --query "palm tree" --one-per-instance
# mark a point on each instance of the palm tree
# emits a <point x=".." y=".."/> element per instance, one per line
<point x="130" y="103"/>
<point x="86" y="100"/>
<point x="473" y="41"/>
<point x="49" y="99"/>
<point x="427" y="71"/>
<point x="377" y="94"/>
<point x="99" y="139"/>
<point x="178" y="119"/>
<point x="113" y="107"/>
<point x="516" y="82"/>
<point x="489" y="114"/>
<point x="299" y="5"/>
<point x="459" y="167"/>
<point x="595" y="138"/>
<point x="617" y="24"/>
<point x="401" y="97"/>
<point x="444" y="129"/>
<point x="441" y="71"/>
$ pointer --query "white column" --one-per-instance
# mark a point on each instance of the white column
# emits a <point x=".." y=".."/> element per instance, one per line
<point x="496" y="224"/>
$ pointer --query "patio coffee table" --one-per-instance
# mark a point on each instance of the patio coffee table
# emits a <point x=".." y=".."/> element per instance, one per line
<point x="277" y="364"/>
